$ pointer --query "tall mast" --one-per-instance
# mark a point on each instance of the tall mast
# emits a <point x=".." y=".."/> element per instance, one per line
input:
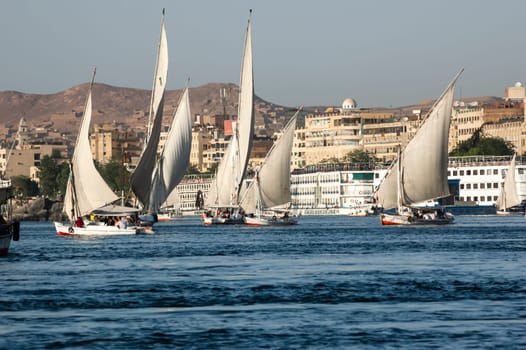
<point x="151" y="113"/>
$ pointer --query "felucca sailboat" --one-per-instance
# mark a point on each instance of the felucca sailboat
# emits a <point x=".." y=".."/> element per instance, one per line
<point x="419" y="174"/>
<point x="87" y="194"/>
<point x="141" y="178"/>
<point x="267" y="198"/>
<point x="508" y="196"/>
<point x="222" y="202"/>
<point x="174" y="157"/>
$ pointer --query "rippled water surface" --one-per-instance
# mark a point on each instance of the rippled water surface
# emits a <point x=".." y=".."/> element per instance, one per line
<point x="329" y="282"/>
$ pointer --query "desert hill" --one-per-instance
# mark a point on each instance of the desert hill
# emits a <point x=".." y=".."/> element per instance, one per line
<point x="62" y="110"/>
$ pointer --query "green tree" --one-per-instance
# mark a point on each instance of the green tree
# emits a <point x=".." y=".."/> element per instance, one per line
<point x="115" y="175"/>
<point x="331" y="160"/>
<point x="62" y="177"/>
<point x="24" y="187"/>
<point x="49" y="168"/>
<point x="360" y="157"/>
<point x="479" y="144"/>
<point x="192" y="170"/>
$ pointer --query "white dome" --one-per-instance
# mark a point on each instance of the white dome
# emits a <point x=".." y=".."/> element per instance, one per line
<point x="518" y="84"/>
<point x="349" y="103"/>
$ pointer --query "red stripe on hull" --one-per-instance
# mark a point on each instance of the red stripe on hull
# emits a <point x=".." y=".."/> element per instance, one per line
<point x="385" y="222"/>
<point x="253" y="224"/>
<point x="60" y="233"/>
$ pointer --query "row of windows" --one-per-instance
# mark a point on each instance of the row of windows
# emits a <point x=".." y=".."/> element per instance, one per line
<point x="468" y="131"/>
<point x="479" y="186"/>
<point x="479" y="172"/>
<point x="479" y="199"/>
<point x="299" y="203"/>
<point x="305" y="192"/>
<point x="464" y="120"/>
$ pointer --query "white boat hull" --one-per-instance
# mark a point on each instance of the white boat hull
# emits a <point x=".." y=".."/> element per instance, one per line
<point x="223" y="216"/>
<point x="98" y="230"/>
<point x="219" y="220"/>
<point x="366" y="210"/>
<point x="270" y="221"/>
<point x="165" y="217"/>
<point x="409" y="219"/>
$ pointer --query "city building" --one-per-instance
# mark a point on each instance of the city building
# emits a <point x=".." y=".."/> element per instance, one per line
<point x="332" y="135"/>
<point x="19" y="162"/>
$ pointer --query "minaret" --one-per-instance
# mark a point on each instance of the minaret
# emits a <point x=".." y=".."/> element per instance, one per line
<point x="22" y="134"/>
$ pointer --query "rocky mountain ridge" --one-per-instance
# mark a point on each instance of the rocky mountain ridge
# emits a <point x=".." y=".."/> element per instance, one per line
<point x="62" y="110"/>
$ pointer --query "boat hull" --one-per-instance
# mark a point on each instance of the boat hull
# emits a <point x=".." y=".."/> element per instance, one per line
<point x="509" y="213"/>
<point x="218" y="220"/>
<point x="368" y="210"/>
<point x="396" y="219"/>
<point x="98" y="230"/>
<point x="5" y="242"/>
<point x="165" y="217"/>
<point x="224" y="216"/>
<point x="270" y="221"/>
<point x="8" y="232"/>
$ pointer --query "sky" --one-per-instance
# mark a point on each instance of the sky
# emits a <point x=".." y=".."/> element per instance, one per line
<point x="382" y="53"/>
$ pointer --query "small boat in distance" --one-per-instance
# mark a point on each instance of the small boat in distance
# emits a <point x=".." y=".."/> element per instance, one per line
<point x="508" y="199"/>
<point x="222" y="203"/>
<point x="419" y="174"/>
<point x="88" y="198"/>
<point x="267" y="199"/>
<point x="363" y="210"/>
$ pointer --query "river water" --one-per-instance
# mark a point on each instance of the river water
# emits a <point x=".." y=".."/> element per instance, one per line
<point x="330" y="282"/>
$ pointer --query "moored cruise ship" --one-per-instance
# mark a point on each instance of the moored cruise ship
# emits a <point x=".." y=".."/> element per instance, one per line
<point x="334" y="189"/>
<point x="476" y="180"/>
<point x="189" y="192"/>
<point x="345" y="189"/>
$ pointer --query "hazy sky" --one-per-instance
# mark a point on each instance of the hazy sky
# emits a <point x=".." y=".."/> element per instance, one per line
<point x="306" y="52"/>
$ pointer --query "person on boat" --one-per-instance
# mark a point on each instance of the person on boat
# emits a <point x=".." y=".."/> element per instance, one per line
<point x="79" y="222"/>
<point x="123" y="223"/>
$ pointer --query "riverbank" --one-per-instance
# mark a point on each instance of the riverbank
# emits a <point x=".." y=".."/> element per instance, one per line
<point x="37" y="209"/>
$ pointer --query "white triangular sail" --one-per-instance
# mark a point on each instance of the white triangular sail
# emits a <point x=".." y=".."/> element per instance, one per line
<point x="141" y="178"/>
<point x="174" y="157"/>
<point x="226" y="186"/>
<point x="86" y="189"/>
<point x="271" y="188"/>
<point x="423" y="162"/>
<point x="173" y="200"/>
<point x="508" y="196"/>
